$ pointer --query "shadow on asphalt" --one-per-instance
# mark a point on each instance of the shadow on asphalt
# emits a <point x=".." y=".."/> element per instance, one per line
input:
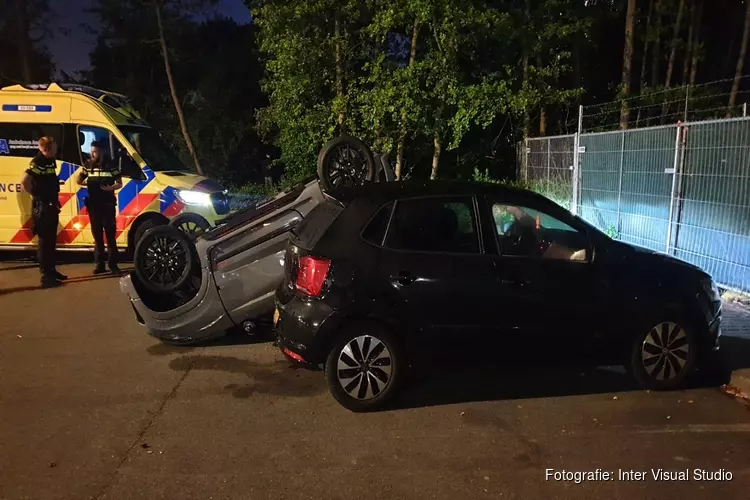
<point x="467" y="378"/>
<point x="68" y="282"/>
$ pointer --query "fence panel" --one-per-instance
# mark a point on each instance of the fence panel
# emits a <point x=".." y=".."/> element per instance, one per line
<point x="599" y="172"/>
<point x="689" y="197"/>
<point x="646" y="192"/>
<point x="712" y="209"/>
<point x="549" y="167"/>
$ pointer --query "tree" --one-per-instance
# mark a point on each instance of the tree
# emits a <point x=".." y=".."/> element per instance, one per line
<point x="22" y="35"/>
<point x="627" y="64"/>
<point x="740" y="63"/>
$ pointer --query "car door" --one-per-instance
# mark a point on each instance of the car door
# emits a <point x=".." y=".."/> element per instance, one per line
<point x="543" y="272"/>
<point x="433" y="262"/>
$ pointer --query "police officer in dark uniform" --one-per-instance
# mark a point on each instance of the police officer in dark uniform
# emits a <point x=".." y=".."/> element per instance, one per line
<point x="40" y="180"/>
<point x="102" y="177"/>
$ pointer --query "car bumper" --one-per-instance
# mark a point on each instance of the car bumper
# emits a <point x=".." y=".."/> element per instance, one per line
<point x="202" y="318"/>
<point x="303" y="328"/>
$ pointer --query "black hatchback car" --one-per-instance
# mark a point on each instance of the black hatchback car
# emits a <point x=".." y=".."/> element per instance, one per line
<point x="374" y="275"/>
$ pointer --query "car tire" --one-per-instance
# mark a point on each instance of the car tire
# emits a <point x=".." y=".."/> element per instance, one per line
<point x="193" y="225"/>
<point x="345" y="161"/>
<point x="664" y="354"/>
<point x="164" y="259"/>
<point x="373" y="388"/>
<point x="141" y="229"/>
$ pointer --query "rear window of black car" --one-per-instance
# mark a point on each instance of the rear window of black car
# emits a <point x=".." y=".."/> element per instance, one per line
<point x="374" y="231"/>
<point x="434" y="225"/>
<point x="317" y="222"/>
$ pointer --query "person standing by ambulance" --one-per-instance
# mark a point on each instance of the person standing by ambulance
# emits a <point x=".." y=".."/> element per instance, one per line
<point x="102" y="177"/>
<point x="40" y="181"/>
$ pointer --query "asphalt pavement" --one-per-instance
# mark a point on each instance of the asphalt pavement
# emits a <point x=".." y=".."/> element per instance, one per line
<point x="92" y="407"/>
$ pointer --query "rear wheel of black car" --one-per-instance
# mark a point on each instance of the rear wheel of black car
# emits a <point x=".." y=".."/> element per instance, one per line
<point x="164" y="259"/>
<point x="345" y="162"/>
<point x="664" y="355"/>
<point x="364" y="368"/>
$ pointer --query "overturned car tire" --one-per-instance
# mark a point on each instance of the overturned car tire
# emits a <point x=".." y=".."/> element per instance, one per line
<point x="164" y="259"/>
<point x="344" y="162"/>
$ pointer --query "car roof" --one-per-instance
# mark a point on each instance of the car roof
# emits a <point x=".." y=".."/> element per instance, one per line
<point x="387" y="191"/>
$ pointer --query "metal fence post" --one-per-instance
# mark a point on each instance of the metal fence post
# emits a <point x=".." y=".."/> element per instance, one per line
<point x="526" y="159"/>
<point x="673" y="171"/>
<point x="577" y="162"/>
<point x="619" y="187"/>
<point x="549" y="160"/>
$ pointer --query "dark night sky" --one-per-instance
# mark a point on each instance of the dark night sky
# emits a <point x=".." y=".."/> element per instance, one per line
<point x="70" y="44"/>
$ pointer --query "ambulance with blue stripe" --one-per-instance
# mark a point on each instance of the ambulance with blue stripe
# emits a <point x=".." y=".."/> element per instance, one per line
<point x="157" y="187"/>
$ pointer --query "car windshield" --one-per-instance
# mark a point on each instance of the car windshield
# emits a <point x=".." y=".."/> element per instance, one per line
<point x="152" y="149"/>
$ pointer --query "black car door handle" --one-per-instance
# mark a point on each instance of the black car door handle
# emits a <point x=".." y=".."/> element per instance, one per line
<point x="405" y="278"/>
<point x="61" y="182"/>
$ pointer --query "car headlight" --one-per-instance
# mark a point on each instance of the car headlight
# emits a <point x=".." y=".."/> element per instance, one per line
<point x="194" y="197"/>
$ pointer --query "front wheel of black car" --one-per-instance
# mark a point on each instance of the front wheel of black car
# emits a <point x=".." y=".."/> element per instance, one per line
<point x="345" y="162"/>
<point x="364" y="368"/>
<point x="663" y="355"/>
<point x="164" y="259"/>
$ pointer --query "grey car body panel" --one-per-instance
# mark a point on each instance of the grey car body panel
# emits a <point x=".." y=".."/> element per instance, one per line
<point x="239" y="274"/>
<point x="201" y="318"/>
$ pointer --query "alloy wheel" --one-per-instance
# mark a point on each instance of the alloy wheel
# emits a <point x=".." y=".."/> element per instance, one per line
<point x="348" y="167"/>
<point x="364" y="367"/>
<point x="665" y="351"/>
<point x="165" y="260"/>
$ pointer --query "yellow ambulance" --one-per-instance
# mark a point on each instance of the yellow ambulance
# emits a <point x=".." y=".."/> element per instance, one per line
<point x="157" y="187"/>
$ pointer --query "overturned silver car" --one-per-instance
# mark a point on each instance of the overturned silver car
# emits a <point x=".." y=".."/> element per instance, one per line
<point x="186" y="290"/>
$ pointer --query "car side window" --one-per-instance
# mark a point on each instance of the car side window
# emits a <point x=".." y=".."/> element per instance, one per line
<point x="445" y="225"/>
<point x="375" y="229"/>
<point x="527" y="232"/>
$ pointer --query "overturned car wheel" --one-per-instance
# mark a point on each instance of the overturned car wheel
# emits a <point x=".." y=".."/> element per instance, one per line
<point x="164" y="259"/>
<point x="345" y="162"/>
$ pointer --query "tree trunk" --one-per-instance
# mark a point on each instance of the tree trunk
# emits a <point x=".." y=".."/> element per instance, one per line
<point x="645" y="45"/>
<point x="526" y="117"/>
<point x="673" y="48"/>
<point x="696" y="43"/>
<point x="23" y="40"/>
<point x="627" y="64"/>
<point x="339" y="72"/>
<point x="672" y="57"/>
<point x="657" y="45"/>
<point x="644" y="58"/>
<point x="435" y="156"/>
<point x="402" y="137"/>
<point x="740" y="63"/>
<point x="542" y="111"/>
<point x="173" y="90"/>
<point x="689" y="45"/>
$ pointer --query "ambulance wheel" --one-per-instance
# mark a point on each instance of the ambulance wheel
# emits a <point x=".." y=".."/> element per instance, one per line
<point x="193" y="225"/>
<point x="345" y="162"/>
<point x="164" y="259"/>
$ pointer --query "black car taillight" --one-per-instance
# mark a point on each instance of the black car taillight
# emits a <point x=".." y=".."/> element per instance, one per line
<point x="311" y="275"/>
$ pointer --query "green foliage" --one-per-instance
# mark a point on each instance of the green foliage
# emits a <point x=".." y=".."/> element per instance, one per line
<point x="332" y="59"/>
<point x="559" y="192"/>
